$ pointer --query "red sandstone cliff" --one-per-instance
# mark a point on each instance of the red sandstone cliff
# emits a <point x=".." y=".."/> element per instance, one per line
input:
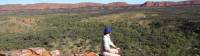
<point x="167" y="3"/>
<point x="117" y="4"/>
<point x="42" y="6"/>
<point x="158" y="4"/>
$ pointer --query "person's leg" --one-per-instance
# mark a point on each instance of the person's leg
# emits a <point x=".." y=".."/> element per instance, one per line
<point x="116" y="51"/>
<point x="110" y="54"/>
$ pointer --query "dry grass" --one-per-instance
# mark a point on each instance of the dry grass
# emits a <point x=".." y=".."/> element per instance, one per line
<point x="15" y="24"/>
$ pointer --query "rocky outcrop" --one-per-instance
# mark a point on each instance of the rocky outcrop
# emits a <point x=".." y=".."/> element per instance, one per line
<point x="43" y="52"/>
<point x="158" y="4"/>
<point x="31" y="52"/>
<point x="195" y="1"/>
<point x="89" y="4"/>
<point x="185" y="3"/>
<point x="117" y="4"/>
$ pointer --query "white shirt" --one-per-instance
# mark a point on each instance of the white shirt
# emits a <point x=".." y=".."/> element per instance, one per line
<point x="106" y="43"/>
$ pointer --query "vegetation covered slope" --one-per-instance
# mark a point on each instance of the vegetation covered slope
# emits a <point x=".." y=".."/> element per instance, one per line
<point x="138" y="32"/>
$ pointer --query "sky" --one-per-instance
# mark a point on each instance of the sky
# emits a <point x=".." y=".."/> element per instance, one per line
<point x="75" y="1"/>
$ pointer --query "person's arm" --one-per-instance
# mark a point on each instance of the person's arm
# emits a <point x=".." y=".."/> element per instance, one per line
<point x="112" y="44"/>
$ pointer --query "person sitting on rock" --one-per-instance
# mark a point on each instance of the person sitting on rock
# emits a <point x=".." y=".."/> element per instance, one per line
<point x="106" y="49"/>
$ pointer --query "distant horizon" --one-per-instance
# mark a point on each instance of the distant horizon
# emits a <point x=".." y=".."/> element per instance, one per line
<point x="5" y="2"/>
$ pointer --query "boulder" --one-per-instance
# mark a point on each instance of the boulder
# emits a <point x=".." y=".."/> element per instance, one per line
<point x="40" y="51"/>
<point x="27" y="52"/>
<point x="2" y="55"/>
<point x="90" y="54"/>
<point x="55" y="53"/>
